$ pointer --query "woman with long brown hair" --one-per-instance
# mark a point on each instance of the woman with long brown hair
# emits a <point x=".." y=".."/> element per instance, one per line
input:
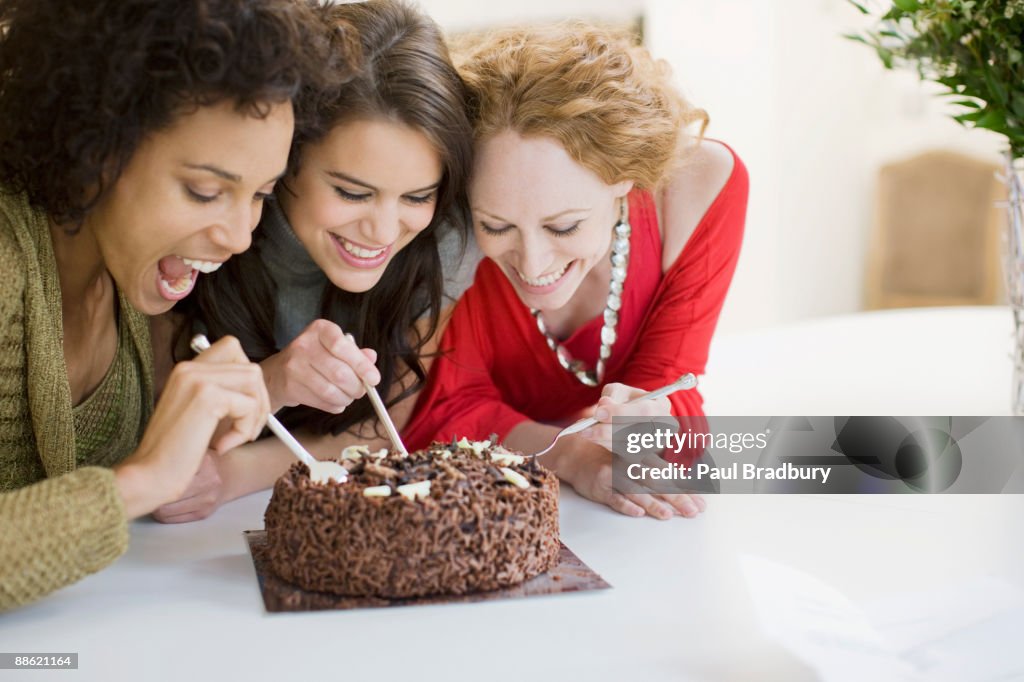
<point x="366" y="237"/>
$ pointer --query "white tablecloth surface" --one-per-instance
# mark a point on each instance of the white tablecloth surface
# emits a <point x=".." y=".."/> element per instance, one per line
<point x="183" y="603"/>
<point x="923" y="361"/>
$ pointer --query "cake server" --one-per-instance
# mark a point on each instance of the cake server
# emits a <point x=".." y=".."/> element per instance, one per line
<point x="382" y="413"/>
<point x="683" y="383"/>
<point x="339" y="473"/>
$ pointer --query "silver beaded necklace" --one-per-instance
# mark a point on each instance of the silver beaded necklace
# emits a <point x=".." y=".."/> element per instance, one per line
<point x="620" y="261"/>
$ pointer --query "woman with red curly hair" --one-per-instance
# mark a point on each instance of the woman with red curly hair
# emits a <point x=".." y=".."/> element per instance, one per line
<point x="138" y="140"/>
<point x="611" y="237"/>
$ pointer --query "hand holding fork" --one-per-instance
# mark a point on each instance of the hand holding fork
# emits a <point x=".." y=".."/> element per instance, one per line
<point x="685" y="382"/>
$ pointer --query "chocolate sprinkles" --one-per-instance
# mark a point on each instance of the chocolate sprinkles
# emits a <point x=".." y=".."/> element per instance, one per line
<point x="474" y="532"/>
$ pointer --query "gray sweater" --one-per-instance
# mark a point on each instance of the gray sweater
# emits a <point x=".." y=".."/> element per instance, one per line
<point x="300" y="281"/>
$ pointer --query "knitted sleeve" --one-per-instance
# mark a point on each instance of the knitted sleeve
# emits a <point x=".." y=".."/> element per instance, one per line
<point x="58" y="530"/>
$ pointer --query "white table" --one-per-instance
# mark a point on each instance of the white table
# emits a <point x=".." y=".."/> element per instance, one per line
<point x="183" y="603"/>
<point x="925" y="361"/>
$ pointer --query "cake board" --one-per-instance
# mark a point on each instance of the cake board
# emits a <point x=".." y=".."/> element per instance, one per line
<point x="570" y="575"/>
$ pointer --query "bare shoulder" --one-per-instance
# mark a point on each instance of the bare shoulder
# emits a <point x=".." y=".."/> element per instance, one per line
<point x="688" y="195"/>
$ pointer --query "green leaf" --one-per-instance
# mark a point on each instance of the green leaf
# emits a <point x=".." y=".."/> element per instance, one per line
<point x="907" y="5"/>
<point x="997" y="89"/>
<point x="972" y="117"/>
<point x="968" y="46"/>
<point x="992" y="119"/>
<point x="885" y="55"/>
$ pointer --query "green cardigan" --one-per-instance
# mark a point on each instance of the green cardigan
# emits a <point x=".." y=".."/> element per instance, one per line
<point x="61" y="518"/>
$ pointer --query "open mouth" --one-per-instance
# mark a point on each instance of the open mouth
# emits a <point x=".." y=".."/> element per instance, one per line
<point x="360" y="255"/>
<point x="546" y="282"/>
<point x="176" y="275"/>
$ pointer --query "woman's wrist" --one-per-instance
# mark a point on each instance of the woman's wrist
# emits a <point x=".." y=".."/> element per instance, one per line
<point x="566" y="458"/>
<point x="252" y="467"/>
<point x="267" y="366"/>
<point x="563" y="460"/>
<point x="230" y="473"/>
<point x="136" y="492"/>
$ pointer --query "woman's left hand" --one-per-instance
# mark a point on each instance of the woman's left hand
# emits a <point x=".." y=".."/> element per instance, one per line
<point x="590" y="475"/>
<point x="613" y="404"/>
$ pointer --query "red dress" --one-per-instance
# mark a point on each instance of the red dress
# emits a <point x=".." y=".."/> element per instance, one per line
<point x="496" y="369"/>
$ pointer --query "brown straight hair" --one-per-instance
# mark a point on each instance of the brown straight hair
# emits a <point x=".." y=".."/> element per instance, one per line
<point x="405" y="75"/>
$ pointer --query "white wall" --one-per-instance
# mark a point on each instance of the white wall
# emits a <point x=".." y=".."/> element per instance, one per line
<point x="813" y="116"/>
<point x="458" y="15"/>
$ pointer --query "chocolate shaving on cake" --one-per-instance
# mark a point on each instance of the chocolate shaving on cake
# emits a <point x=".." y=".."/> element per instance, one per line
<point x="450" y="470"/>
<point x="380" y="470"/>
<point x="469" y="535"/>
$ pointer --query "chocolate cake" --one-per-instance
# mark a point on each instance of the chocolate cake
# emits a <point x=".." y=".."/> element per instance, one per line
<point x="451" y="519"/>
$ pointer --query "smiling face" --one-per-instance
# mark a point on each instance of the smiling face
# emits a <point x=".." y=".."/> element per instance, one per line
<point x="544" y="219"/>
<point x="360" y="196"/>
<point x="188" y="199"/>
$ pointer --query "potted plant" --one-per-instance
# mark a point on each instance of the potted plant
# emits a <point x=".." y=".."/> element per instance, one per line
<point x="975" y="50"/>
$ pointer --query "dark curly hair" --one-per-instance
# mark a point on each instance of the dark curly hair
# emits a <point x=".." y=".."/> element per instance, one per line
<point x="82" y="83"/>
<point x="405" y="75"/>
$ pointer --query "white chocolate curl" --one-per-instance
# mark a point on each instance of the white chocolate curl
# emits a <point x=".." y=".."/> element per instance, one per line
<point x="377" y="491"/>
<point x="355" y="452"/>
<point x="515" y="478"/>
<point x="414" y="491"/>
<point x="324" y="472"/>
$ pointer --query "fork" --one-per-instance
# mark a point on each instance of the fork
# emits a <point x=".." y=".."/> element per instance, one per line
<point x="683" y="383"/>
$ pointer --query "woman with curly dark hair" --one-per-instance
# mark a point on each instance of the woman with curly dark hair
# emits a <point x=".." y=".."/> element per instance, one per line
<point x="366" y="237"/>
<point x="138" y="140"/>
